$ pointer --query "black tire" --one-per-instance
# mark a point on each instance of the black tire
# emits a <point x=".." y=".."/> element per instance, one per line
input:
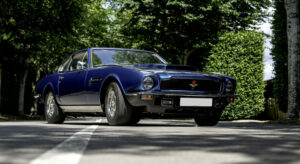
<point x="116" y="110"/>
<point x="207" y="120"/>
<point x="54" y="114"/>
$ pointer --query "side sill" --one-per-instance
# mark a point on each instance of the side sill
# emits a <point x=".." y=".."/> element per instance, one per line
<point x="84" y="109"/>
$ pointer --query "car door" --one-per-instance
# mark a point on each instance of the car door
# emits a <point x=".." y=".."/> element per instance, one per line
<point x="72" y="80"/>
<point x="94" y="79"/>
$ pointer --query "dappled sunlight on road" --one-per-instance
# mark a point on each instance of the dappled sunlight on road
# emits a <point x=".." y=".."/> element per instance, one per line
<point x="157" y="141"/>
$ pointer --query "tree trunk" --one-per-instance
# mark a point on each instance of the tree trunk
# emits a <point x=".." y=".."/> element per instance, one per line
<point x="185" y="57"/>
<point x="22" y="92"/>
<point x="293" y="35"/>
<point x="33" y="109"/>
<point x="0" y="87"/>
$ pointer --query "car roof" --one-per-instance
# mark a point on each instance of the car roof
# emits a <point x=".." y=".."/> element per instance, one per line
<point x="110" y="48"/>
<point x="122" y="49"/>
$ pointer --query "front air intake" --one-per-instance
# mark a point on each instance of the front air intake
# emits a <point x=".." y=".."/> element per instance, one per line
<point x="190" y="85"/>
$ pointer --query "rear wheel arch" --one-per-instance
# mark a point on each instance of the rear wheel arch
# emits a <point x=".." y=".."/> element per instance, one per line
<point x="48" y="89"/>
<point x="53" y="113"/>
<point x="57" y="116"/>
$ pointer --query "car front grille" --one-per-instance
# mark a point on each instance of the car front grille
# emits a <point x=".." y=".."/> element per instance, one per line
<point x="190" y="85"/>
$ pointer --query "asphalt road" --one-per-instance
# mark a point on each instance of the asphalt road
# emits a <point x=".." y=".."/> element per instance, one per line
<point x="92" y="141"/>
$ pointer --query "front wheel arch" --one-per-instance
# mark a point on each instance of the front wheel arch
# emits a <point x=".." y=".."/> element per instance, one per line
<point x="117" y="110"/>
<point x="104" y="88"/>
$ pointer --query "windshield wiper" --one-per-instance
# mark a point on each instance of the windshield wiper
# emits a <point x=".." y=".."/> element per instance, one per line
<point x="101" y="65"/>
<point x="110" y="65"/>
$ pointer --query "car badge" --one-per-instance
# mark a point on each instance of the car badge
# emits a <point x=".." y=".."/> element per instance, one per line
<point x="194" y="84"/>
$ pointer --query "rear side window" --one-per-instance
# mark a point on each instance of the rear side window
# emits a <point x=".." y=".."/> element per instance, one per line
<point x="79" y="61"/>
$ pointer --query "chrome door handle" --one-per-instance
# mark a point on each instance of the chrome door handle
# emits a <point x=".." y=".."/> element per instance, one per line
<point x="95" y="80"/>
<point x="60" y="78"/>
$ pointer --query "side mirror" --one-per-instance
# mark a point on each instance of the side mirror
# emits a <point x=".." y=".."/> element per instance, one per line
<point x="81" y="65"/>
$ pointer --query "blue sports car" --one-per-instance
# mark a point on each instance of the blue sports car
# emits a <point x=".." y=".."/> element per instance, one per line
<point x="126" y="85"/>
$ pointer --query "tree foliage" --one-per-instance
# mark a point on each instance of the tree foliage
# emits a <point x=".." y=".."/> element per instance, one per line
<point x="29" y="30"/>
<point x="240" y="54"/>
<point x="280" y="55"/>
<point x="183" y="30"/>
<point x="37" y="30"/>
<point x="37" y="35"/>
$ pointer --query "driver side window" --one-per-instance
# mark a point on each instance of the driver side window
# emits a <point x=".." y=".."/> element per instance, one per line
<point x="64" y="67"/>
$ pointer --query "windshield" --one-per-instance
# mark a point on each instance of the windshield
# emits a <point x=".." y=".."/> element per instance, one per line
<point x="121" y="57"/>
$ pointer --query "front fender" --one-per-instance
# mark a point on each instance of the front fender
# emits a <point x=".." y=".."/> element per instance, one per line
<point x="108" y="78"/>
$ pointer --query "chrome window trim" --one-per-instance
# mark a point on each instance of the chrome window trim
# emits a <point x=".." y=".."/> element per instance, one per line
<point x="164" y="62"/>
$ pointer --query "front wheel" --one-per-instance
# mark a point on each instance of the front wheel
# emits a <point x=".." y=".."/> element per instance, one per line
<point x="53" y="113"/>
<point x="116" y="110"/>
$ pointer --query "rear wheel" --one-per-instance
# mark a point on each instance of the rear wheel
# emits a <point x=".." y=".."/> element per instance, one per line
<point x="116" y="110"/>
<point x="53" y="113"/>
<point x="207" y="120"/>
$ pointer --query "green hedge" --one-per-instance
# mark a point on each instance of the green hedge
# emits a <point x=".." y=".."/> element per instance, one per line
<point x="240" y="54"/>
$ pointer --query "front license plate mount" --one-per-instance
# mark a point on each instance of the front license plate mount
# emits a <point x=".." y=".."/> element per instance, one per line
<point x="195" y="102"/>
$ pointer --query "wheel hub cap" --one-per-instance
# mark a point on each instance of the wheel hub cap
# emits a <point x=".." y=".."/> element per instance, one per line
<point x="111" y="103"/>
<point x="50" y="106"/>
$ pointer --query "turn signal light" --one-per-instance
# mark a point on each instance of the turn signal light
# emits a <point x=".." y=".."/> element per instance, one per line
<point x="146" y="97"/>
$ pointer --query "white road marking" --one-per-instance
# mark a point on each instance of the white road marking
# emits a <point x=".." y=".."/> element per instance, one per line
<point x="69" y="151"/>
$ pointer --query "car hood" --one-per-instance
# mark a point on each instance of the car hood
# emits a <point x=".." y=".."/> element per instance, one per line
<point x="174" y="70"/>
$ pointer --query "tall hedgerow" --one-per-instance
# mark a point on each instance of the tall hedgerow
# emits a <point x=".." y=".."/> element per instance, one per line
<point x="240" y="54"/>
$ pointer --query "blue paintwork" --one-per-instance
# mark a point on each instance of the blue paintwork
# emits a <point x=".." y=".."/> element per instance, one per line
<point x="72" y="87"/>
<point x="75" y="87"/>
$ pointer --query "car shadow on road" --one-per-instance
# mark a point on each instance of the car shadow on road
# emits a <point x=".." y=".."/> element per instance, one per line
<point x="266" y="143"/>
<point x="86" y="123"/>
<point x="173" y="123"/>
<point x="262" y="142"/>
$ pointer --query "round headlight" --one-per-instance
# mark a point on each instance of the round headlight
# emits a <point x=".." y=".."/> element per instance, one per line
<point x="148" y="83"/>
<point x="229" y="87"/>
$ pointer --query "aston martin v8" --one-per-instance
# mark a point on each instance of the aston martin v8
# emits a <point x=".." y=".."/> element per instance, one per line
<point x="125" y="85"/>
